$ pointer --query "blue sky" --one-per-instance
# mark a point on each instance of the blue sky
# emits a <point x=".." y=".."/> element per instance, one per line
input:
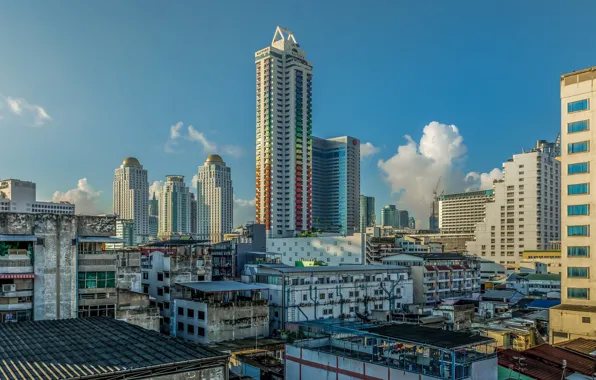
<point x="85" y="84"/>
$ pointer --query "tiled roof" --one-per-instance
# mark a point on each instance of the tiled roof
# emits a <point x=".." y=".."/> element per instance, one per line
<point x="530" y="367"/>
<point x="71" y="348"/>
<point x="443" y="267"/>
<point x="430" y="268"/>
<point x="457" y="267"/>
<point x="555" y="355"/>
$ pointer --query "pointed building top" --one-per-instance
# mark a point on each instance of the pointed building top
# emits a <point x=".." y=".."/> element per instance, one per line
<point x="283" y="34"/>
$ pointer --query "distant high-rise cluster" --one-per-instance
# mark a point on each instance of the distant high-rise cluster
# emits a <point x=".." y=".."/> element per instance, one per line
<point x="174" y="208"/>
<point x="367" y="212"/>
<point x="131" y="196"/>
<point x="392" y="217"/>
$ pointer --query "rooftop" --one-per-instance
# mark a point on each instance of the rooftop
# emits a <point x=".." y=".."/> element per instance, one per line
<point x="468" y="194"/>
<point x="429" y="336"/>
<point x="500" y="294"/>
<point x="580" y="308"/>
<point x="340" y="268"/>
<point x="73" y="348"/>
<point x="535" y="277"/>
<point x="220" y="286"/>
<point x="131" y="162"/>
<point x="177" y="243"/>
<point x="530" y="367"/>
<point x="579" y="345"/>
<point x="431" y="256"/>
<point x="543" y="304"/>
<point x="556" y="355"/>
<point x="238" y="345"/>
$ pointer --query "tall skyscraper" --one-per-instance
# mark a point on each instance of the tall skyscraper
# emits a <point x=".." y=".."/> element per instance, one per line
<point x="576" y="316"/>
<point x="153" y="205"/>
<point x="174" y="208"/>
<point x="389" y="216"/>
<point x="367" y="212"/>
<point x="215" y="199"/>
<point x="336" y="184"/>
<point x="525" y="212"/>
<point x="283" y="141"/>
<point x="131" y="196"/>
<point x="403" y="218"/>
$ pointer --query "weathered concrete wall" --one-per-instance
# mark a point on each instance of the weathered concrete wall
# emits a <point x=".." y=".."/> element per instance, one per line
<point x="128" y="274"/>
<point x="230" y="321"/>
<point x="55" y="261"/>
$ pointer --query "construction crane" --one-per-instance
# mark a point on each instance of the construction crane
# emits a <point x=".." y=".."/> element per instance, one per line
<point x="433" y="220"/>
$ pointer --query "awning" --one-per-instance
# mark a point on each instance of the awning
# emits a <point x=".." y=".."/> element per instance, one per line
<point x="18" y="238"/>
<point x="16" y="275"/>
<point x="100" y="239"/>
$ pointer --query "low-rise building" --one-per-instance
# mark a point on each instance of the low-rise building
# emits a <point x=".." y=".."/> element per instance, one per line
<point x="537" y="285"/>
<point x="216" y="311"/>
<point x="495" y="303"/>
<point x="458" y="313"/>
<point x="439" y="276"/>
<point x="136" y="308"/>
<point x="223" y="260"/>
<point x="398" y="351"/>
<point x="20" y="196"/>
<point x="333" y="250"/>
<point x="550" y="258"/>
<point x="166" y="263"/>
<point x="100" y="348"/>
<point x="299" y="294"/>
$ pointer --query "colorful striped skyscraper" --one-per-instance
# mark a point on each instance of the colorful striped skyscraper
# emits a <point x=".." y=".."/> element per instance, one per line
<point x="284" y="137"/>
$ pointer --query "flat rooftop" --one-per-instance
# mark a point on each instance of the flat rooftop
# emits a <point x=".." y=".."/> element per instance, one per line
<point x="88" y="347"/>
<point x="340" y="268"/>
<point x="177" y="243"/>
<point x="245" y="344"/>
<point x="427" y="335"/>
<point x="221" y="286"/>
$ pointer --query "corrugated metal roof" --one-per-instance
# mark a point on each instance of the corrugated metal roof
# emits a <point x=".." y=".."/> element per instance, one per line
<point x="18" y="238"/>
<point x="579" y="345"/>
<point x="530" y="367"/>
<point x="543" y="304"/>
<point x="69" y="348"/>
<point x="555" y="355"/>
<point x="221" y="286"/>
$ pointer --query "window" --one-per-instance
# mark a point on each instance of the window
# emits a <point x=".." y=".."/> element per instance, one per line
<point x="579" y="188"/>
<point x="190" y="329"/>
<point x="160" y="291"/>
<point x="145" y="275"/>
<point x="577" y="272"/>
<point x="577" y="168"/>
<point x="585" y="319"/>
<point x="578" y="251"/>
<point x="160" y="276"/>
<point x="190" y="313"/>
<point x="577" y="126"/>
<point x="304" y="297"/>
<point x="579" y="105"/>
<point x="201" y="331"/>
<point x="180" y="326"/>
<point x="97" y="280"/>
<point x="581" y="293"/>
<point x="181" y="311"/>
<point x="322" y="296"/>
<point x="577" y="230"/>
<point x="201" y="315"/>
<point x="166" y="305"/>
<point x="578" y="210"/>
<point x="578" y="147"/>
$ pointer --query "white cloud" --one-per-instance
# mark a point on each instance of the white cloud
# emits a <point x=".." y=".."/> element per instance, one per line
<point x="192" y="134"/>
<point x="21" y="108"/>
<point x="155" y="187"/>
<point x="195" y="179"/>
<point x="368" y="149"/>
<point x="85" y="198"/>
<point x="483" y="181"/>
<point x="414" y="170"/>
<point x="244" y="210"/>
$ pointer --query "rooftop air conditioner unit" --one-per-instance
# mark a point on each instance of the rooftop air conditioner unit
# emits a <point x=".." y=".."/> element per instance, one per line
<point x="9" y="288"/>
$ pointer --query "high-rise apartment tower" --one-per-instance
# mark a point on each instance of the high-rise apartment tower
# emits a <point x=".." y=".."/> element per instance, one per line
<point x="215" y="199"/>
<point x="174" y="208"/>
<point x="283" y="141"/>
<point x="131" y="197"/>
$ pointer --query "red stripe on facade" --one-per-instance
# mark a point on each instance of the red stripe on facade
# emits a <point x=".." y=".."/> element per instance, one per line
<point x="329" y="368"/>
<point x="17" y="276"/>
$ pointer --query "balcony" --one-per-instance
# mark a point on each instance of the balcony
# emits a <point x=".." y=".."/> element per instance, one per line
<point x="16" y="306"/>
<point x="16" y="294"/>
<point x="12" y="263"/>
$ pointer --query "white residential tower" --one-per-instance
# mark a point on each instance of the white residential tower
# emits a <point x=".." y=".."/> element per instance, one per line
<point x="131" y="197"/>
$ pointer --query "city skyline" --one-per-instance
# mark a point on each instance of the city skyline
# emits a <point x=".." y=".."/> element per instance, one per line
<point x="47" y="102"/>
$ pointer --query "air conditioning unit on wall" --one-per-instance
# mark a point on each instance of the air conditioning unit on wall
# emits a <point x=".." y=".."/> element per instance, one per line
<point x="9" y="288"/>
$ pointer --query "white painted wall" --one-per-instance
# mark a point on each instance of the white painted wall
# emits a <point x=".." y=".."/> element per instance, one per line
<point x="333" y="250"/>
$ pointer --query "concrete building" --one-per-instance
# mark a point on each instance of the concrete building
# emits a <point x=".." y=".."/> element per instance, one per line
<point x="321" y="292"/>
<point x="439" y="276"/>
<point x="398" y="351"/>
<point x="20" y="196"/>
<point x="525" y="212"/>
<point x="131" y="196"/>
<point x="336" y="184"/>
<point x="153" y="205"/>
<point x="367" y="212"/>
<point x="70" y="349"/>
<point x="459" y="213"/>
<point x="332" y="250"/>
<point x="284" y="137"/>
<point x="550" y="258"/>
<point x="535" y="285"/>
<point x="194" y="217"/>
<point x="223" y="260"/>
<point x="412" y="223"/>
<point x="208" y="312"/>
<point x="389" y="216"/>
<point x="576" y="316"/>
<point x="174" y="208"/>
<point x="166" y="263"/>
<point x="41" y="264"/>
<point x="215" y="200"/>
